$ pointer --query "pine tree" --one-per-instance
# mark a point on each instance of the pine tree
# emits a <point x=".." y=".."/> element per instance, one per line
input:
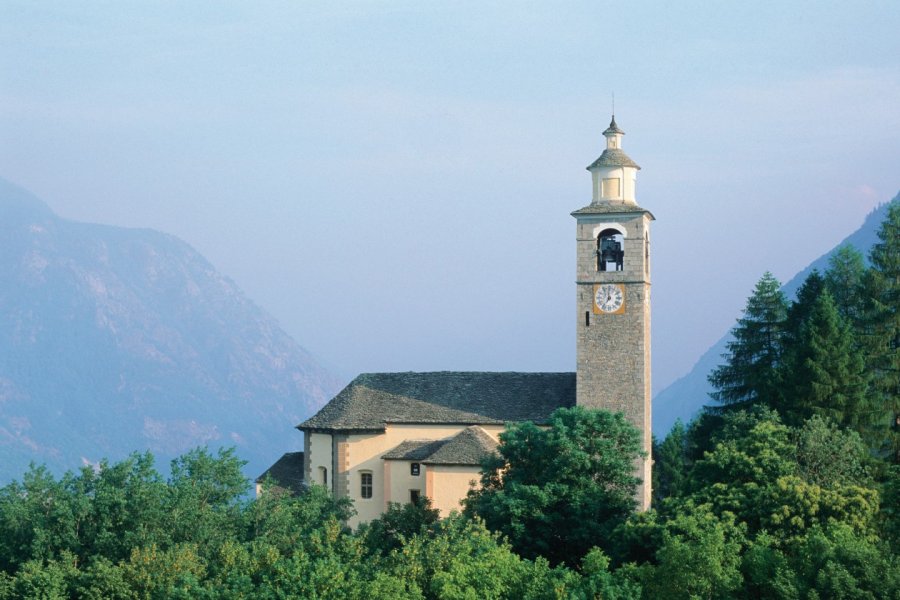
<point x="799" y="310"/>
<point x="822" y="373"/>
<point x="750" y="373"/>
<point x="882" y="320"/>
<point x="844" y="279"/>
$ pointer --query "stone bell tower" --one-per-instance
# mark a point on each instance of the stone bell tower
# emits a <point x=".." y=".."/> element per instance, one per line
<point x="613" y="296"/>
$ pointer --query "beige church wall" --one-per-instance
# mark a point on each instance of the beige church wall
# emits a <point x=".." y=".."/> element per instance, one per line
<point x="447" y="485"/>
<point x="364" y="456"/>
<point x="364" y="452"/>
<point x="318" y="457"/>
<point x="398" y="481"/>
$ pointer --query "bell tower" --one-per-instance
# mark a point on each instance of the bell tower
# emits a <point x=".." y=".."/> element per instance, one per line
<point x="613" y="296"/>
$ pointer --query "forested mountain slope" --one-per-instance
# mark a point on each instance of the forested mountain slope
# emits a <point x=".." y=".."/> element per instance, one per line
<point x="688" y="394"/>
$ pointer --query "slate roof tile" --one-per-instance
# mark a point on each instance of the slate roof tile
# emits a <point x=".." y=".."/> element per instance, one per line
<point x="287" y="472"/>
<point x="468" y="447"/>
<point x="614" y="157"/>
<point x="373" y="400"/>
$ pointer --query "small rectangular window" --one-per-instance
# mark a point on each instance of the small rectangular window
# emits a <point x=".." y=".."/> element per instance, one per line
<point x="414" y="496"/>
<point x="414" y="469"/>
<point x="365" y="490"/>
<point x="587" y="318"/>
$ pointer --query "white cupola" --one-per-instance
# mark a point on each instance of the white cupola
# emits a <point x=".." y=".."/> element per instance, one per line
<point x="614" y="173"/>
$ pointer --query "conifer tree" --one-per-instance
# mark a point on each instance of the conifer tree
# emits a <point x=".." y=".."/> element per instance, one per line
<point x="882" y="322"/>
<point x="822" y="373"/>
<point x="750" y="373"/>
<point x="799" y="310"/>
<point x="844" y="279"/>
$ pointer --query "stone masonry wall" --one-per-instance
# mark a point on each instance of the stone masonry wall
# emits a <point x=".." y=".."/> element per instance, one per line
<point x="613" y="350"/>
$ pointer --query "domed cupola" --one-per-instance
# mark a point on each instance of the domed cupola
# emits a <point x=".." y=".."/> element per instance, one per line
<point x="614" y="173"/>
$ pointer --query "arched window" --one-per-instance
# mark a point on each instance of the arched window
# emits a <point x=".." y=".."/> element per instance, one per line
<point x="610" y="253"/>
<point x="323" y="475"/>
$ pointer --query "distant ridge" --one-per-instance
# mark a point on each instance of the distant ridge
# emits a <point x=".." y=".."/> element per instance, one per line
<point x="684" y="398"/>
<point x="114" y="340"/>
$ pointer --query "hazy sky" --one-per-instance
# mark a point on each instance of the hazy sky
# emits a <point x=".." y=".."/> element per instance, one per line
<point x="393" y="180"/>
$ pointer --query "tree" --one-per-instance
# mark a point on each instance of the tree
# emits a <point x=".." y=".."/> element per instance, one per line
<point x="399" y="523"/>
<point x="750" y="373"/>
<point x="558" y="492"/>
<point x="799" y="310"/>
<point x="830" y="456"/>
<point x="204" y="496"/>
<point x="670" y="464"/>
<point x="822" y="373"/>
<point x="883" y="327"/>
<point x="844" y="279"/>
<point x="753" y="472"/>
<point x="699" y="557"/>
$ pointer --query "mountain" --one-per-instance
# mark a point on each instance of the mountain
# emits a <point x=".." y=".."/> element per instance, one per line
<point x="684" y="398"/>
<point x="114" y="340"/>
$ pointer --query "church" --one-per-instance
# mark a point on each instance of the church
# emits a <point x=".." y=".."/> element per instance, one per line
<point x="397" y="437"/>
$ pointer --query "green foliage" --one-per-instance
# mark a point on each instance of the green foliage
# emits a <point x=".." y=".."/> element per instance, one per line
<point x="890" y="514"/>
<point x="829" y="456"/>
<point x="844" y="279"/>
<point x="204" y="495"/>
<point x="670" y="464"/>
<point x="461" y="559"/>
<point x="564" y="488"/>
<point x="699" y="558"/>
<point x="882" y="330"/>
<point x="399" y="523"/>
<point x="599" y="582"/>
<point x="822" y="374"/>
<point x="753" y="472"/>
<point x="285" y="522"/>
<point x="765" y="512"/>
<point x="750" y="373"/>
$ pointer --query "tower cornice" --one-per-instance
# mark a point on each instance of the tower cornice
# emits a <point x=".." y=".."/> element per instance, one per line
<point x="610" y="208"/>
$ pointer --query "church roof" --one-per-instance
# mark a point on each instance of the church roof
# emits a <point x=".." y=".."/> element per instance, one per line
<point x="468" y="447"/>
<point x="373" y="400"/>
<point x="613" y="157"/>
<point x="287" y="472"/>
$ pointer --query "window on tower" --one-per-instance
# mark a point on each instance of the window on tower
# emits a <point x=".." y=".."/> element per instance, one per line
<point x="611" y="187"/>
<point x="610" y="254"/>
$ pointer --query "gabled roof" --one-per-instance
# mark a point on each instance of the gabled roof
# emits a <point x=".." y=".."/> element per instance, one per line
<point x="373" y="400"/>
<point x="468" y="447"/>
<point x="287" y="472"/>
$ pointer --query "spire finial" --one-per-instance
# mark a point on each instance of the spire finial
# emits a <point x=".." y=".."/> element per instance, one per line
<point x="614" y="106"/>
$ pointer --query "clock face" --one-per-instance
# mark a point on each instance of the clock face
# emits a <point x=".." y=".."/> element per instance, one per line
<point x="609" y="298"/>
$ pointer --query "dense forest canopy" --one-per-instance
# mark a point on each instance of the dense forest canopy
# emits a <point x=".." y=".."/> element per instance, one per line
<point x="787" y="486"/>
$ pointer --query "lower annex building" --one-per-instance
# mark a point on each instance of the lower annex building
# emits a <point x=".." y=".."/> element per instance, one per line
<point x="396" y="437"/>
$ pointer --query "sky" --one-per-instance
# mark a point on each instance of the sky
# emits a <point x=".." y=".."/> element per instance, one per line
<point x="393" y="180"/>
